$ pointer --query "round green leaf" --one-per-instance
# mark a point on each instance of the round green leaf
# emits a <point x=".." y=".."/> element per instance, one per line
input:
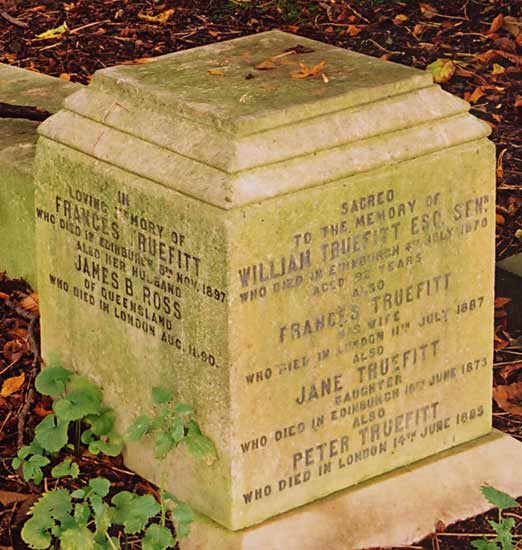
<point x="76" y="538"/>
<point x="161" y="395"/>
<point x="52" y="381"/>
<point x="51" y="433"/>
<point x="67" y="468"/>
<point x="85" y="398"/>
<point x="102" y="424"/>
<point x="36" y="534"/>
<point x="157" y="537"/>
<point x="163" y="445"/>
<point x="139" y="427"/>
<point x="100" y="486"/>
<point x="111" y="445"/>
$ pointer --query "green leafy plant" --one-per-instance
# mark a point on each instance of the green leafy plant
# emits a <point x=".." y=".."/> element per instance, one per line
<point x="89" y="517"/>
<point x="172" y="425"/>
<point x="503" y="527"/>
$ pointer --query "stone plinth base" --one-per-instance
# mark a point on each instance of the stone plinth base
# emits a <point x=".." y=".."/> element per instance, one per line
<point x="394" y="509"/>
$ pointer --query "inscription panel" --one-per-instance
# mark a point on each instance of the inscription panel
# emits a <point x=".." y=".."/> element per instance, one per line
<point x="362" y="316"/>
<point x="323" y="337"/>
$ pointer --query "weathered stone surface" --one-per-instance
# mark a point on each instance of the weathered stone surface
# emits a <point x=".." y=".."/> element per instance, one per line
<point x="513" y="264"/>
<point x="302" y="269"/>
<point x="17" y="148"/>
<point x="395" y="509"/>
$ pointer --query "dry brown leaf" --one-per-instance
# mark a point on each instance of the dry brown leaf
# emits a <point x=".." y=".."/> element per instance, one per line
<point x="265" y="65"/>
<point x="161" y="18"/>
<point x="308" y="72"/>
<point x="517" y="59"/>
<point x="496" y="24"/>
<point x="140" y="61"/>
<point x="216" y="72"/>
<point x="31" y="303"/>
<point x="4" y="296"/>
<point x="477" y="94"/>
<point x="65" y="76"/>
<point x="500" y="344"/>
<point x="498" y="69"/>
<point x="509" y="397"/>
<point x="501" y="302"/>
<point x="507" y="370"/>
<point x="10" y="497"/>
<point x="400" y="18"/>
<point x="500" y="164"/>
<point x="41" y="411"/>
<point x="518" y="101"/>
<point x="418" y="29"/>
<point x="505" y="44"/>
<point x="513" y="25"/>
<point x="353" y="30"/>
<point x="500" y="219"/>
<point x="214" y="34"/>
<point x="12" y="385"/>
<point x="427" y="10"/>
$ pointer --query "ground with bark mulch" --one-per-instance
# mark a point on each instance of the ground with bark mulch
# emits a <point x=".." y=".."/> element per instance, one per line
<point x="480" y="42"/>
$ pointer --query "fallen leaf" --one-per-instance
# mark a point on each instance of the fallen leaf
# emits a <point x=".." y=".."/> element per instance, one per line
<point x="12" y="385"/>
<point x="518" y="101"/>
<point x="498" y="69"/>
<point x="500" y="219"/>
<point x="400" y="18"/>
<point x="500" y="164"/>
<point x="161" y="18"/>
<point x="418" y="29"/>
<point x="427" y="10"/>
<point x="505" y="44"/>
<point x="41" y="411"/>
<point x="501" y="302"/>
<point x="353" y="30"/>
<point x="4" y="296"/>
<point x="509" y="397"/>
<point x="69" y="7"/>
<point x="442" y="70"/>
<point x="216" y="72"/>
<point x="496" y="24"/>
<point x="266" y="65"/>
<point x="10" y="497"/>
<point x="513" y="25"/>
<point x="214" y="34"/>
<point x="65" y="76"/>
<point x="53" y="33"/>
<point x="31" y="303"/>
<point x="140" y="61"/>
<point x="507" y="370"/>
<point x="307" y="72"/>
<point x="300" y="49"/>
<point x="500" y="344"/>
<point x="477" y="94"/>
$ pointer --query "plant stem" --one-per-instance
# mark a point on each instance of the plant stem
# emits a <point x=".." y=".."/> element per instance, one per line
<point x="162" y="492"/>
<point x="77" y="434"/>
<point x="110" y="541"/>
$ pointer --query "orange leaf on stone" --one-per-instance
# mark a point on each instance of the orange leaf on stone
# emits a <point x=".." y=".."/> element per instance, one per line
<point x="266" y="65"/>
<point x="308" y="72"/>
<point x="12" y="385"/>
<point x="509" y="397"/>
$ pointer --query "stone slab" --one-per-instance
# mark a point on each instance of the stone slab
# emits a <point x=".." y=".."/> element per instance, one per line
<point x="513" y="264"/>
<point x="315" y="310"/>
<point x="395" y="509"/>
<point x="17" y="149"/>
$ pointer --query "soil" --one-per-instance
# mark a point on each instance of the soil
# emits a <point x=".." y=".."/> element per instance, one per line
<point x="482" y="39"/>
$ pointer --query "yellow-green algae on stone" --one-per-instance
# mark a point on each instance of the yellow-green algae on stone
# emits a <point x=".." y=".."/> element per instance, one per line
<point x="307" y="263"/>
<point x="17" y="149"/>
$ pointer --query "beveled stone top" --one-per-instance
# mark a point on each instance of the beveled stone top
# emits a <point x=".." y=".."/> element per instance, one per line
<point x="245" y="99"/>
<point x="208" y="123"/>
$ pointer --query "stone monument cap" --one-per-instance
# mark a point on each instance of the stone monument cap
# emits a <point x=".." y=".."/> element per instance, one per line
<point x="260" y="116"/>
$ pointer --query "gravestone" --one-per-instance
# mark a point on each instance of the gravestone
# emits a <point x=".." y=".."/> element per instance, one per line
<point x="302" y="251"/>
<point x="17" y="149"/>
